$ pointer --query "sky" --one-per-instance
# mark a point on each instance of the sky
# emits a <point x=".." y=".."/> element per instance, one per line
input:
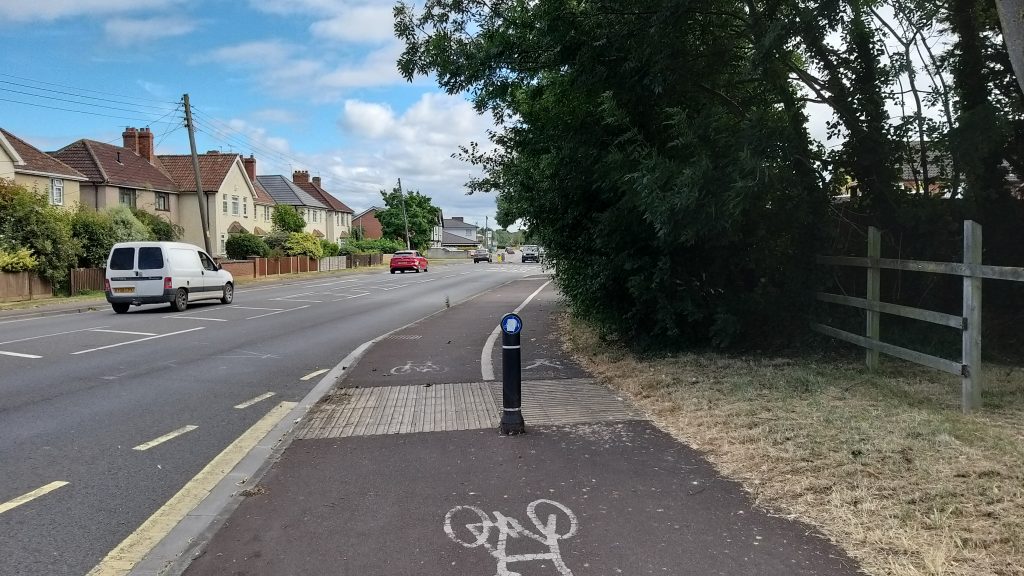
<point x="300" y="84"/>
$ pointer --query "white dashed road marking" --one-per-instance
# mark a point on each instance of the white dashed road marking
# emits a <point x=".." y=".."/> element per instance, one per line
<point x="255" y="400"/>
<point x="136" y="341"/>
<point x="278" y="312"/>
<point x="48" y="335"/>
<point x="165" y="438"/>
<point x="196" y="318"/>
<point x="123" y="332"/>
<point x="5" y="506"/>
<point x="312" y="375"/>
<point x="18" y="354"/>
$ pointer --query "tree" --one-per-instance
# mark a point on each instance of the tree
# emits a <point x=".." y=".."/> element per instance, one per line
<point x="161" y="227"/>
<point x="287" y="219"/>
<point x="421" y="213"/>
<point x="95" y="231"/>
<point x="304" y="243"/>
<point x="28" y="221"/>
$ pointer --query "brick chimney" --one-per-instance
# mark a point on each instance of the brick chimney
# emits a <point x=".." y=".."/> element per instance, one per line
<point x="316" y="181"/>
<point x="131" y="139"/>
<point x="250" y="167"/>
<point x="145" y="140"/>
<point x="300" y="176"/>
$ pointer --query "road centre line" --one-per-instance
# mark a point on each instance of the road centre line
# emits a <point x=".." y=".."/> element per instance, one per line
<point x="278" y="312"/>
<point x="312" y="375"/>
<point x="351" y="297"/>
<point x="18" y="354"/>
<point x="123" y="332"/>
<point x="288" y="299"/>
<point x="136" y="341"/>
<point x="486" y="366"/>
<point x="28" y="497"/>
<point x="255" y="308"/>
<point x="134" y="548"/>
<point x="160" y="440"/>
<point x="255" y="400"/>
<point x="195" y="318"/>
<point x="48" y="335"/>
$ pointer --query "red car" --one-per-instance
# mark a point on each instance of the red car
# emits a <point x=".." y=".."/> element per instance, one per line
<point x="408" y="260"/>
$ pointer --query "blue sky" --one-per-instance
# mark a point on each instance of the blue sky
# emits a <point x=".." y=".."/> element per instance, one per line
<point x="301" y="84"/>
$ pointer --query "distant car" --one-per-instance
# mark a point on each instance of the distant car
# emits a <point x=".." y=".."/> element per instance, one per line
<point x="509" y="250"/>
<point x="408" y="260"/>
<point x="481" y="255"/>
<point x="531" y="253"/>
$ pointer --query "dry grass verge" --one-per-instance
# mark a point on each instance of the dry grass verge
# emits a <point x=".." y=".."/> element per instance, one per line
<point x="883" y="463"/>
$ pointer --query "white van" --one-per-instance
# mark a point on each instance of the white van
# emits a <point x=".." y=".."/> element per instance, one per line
<point x="154" y="272"/>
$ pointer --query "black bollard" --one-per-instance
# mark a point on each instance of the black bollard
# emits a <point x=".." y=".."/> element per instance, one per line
<point x="511" y="377"/>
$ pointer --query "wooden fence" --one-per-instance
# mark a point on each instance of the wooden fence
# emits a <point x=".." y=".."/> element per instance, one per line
<point x="83" y="279"/>
<point x="968" y="323"/>
<point x="18" y="286"/>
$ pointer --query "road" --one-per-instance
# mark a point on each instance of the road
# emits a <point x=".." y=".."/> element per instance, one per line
<point x="105" y="417"/>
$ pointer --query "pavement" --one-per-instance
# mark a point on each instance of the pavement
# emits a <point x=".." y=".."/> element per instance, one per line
<point x="399" y="470"/>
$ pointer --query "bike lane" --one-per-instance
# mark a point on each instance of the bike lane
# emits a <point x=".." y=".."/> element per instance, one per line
<point x="402" y="473"/>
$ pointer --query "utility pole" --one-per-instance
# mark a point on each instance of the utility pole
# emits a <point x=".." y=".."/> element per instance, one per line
<point x="204" y="218"/>
<point x="487" y="223"/>
<point x="408" y="246"/>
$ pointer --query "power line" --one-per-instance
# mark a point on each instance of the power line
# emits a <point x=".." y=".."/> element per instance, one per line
<point x="76" y="102"/>
<point x="132" y="119"/>
<point x="84" y="89"/>
<point x="107" y="100"/>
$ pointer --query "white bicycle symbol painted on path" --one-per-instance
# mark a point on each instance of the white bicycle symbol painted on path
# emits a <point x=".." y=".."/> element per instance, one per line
<point x="409" y="367"/>
<point x="480" y="525"/>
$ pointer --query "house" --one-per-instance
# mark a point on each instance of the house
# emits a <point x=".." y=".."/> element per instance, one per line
<point x="264" y="201"/>
<point x="459" y="234"/>
<point x="230" y="196"/>
<point x="437" y="234"/>
<point x="38" y="171"/>
<point x="339" y="215"/>
<point x="128" y="175"/>
<point x="284" y="191"/>
<point x="368" y="223"/>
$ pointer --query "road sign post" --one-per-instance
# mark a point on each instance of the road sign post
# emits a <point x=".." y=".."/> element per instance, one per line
<point x="511" y="376"/>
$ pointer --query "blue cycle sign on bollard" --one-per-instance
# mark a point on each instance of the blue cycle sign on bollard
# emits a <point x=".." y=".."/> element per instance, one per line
<point x="511" y="376"/>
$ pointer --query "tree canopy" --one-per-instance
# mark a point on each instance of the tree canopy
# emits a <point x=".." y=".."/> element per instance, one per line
<point x="419" y="209"/>
<point x="286" y="218"/>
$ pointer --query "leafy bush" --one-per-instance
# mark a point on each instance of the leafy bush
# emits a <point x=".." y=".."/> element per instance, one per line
<point x="286" y="219"/>
<point x="330" y="248"/>
<point x="160" y="227"/>
<point x="19" y="260"/>
<point x="96" y="233"/>
<point x="27" y="220"/>
<point x="304" y="243"/>
<point x="277" y="240"/>
<point x="242" y="246"/>
<point x="127" y="228"/>
<point x="379" y="246"/>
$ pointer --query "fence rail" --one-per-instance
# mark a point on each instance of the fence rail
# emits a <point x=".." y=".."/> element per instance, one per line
<point x="968" y="323"/>
<point x="83" y="279"/>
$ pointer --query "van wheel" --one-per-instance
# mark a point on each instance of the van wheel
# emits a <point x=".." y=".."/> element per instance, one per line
<point x="120" y="307"/>
<point x="229" y="293"/>
<point x="180" y="302"/>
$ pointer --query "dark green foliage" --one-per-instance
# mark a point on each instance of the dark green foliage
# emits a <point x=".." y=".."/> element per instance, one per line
<point x="287" y="219"/>
<point x="380" y="246"/>
<point x="95" y="232"/>
<point x="242" y="246"/>
<point x="330" y="248"/>
<point x="27" y="220"/>
<point x="277" y="239"/>
<point x="421" y="213"/>
<point x="160" y="226"/>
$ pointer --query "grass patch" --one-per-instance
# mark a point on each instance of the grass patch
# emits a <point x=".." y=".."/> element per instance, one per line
<point x="883" y="463"/>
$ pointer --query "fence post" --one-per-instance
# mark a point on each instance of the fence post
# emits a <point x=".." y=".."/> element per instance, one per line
<point x="874" y="293"/>
<point x="970" y="393"/>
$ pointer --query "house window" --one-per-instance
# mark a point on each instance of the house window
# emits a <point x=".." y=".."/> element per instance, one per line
<point x="126" y="197"/>
<point x="223" y="244"/>
<point x="234" y="205"/>
<point x="266" y="213"/>
<point x="56" y="191"/>
<point x="163" y="201"/>
<point x="315" y="214"/>
<point x="245" y="207"/>
<point x="225" y="203"/>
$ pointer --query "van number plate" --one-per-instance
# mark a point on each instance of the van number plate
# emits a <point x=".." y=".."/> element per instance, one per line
<point x="127" y="290"/>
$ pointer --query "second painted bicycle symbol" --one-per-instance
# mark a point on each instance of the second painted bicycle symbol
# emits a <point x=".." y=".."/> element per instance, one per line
<point x="472" y="527"/>
<point x="411" y="367"/>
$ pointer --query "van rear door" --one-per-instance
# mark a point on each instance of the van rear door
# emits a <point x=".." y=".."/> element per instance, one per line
<point x="149" y="271"/>
<point x="121" y="271"/>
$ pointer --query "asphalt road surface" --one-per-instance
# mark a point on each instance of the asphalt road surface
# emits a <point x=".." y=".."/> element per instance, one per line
<point x="104" y="417"/>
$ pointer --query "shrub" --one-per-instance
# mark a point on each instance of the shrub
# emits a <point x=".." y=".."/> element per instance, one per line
<point x="277" y="240"/>
<point x="242" y="246"/>
<point x="286" y="219"/>
<point x="128" y="228"/>
<point x="304" y="243"/>
<point x="96" y="233"/>
<point x="19" y="260"/>
<point x="380" y="246"/>
<point x="27" y="220"/>
<point x="330" y="248"/>
<point x="160" y="227"/>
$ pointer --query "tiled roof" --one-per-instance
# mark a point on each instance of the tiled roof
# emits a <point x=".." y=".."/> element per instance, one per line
<point x="452" y="223"/>
<point x="105" y="163"/>
<point x="284" y="191"/>
<point x="38" y="161"/>
<point x="235" y="227"/>
<point x="323" y="196"/>
<point x="365" y="212"/>
<point x="449" y="239"/>
<point x="214" y="168"/>
<point x="262" y="196"/>
<point x="259" y="231"/>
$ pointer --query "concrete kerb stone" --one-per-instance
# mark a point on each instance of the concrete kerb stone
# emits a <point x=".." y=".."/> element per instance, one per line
<point x="188" y="540"/>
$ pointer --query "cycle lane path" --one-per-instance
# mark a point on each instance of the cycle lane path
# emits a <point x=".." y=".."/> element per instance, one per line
<point x="401" y="472"/>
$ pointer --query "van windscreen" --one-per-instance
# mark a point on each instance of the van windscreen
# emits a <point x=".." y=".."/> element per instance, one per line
<point x="151" y="258"/>
<point x="122" y="259"/>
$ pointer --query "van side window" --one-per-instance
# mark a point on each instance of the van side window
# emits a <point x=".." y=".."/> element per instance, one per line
<point x="151" y="258"/>
<point x="122" y="259"/>
<point x="207" y="262"/>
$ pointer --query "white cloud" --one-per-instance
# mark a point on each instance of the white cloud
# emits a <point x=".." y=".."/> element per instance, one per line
<point x="361" y="23"/>
<point x="129" y="30"/>
<point x="49" y="10"/>
<point x="277" y="116"/>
